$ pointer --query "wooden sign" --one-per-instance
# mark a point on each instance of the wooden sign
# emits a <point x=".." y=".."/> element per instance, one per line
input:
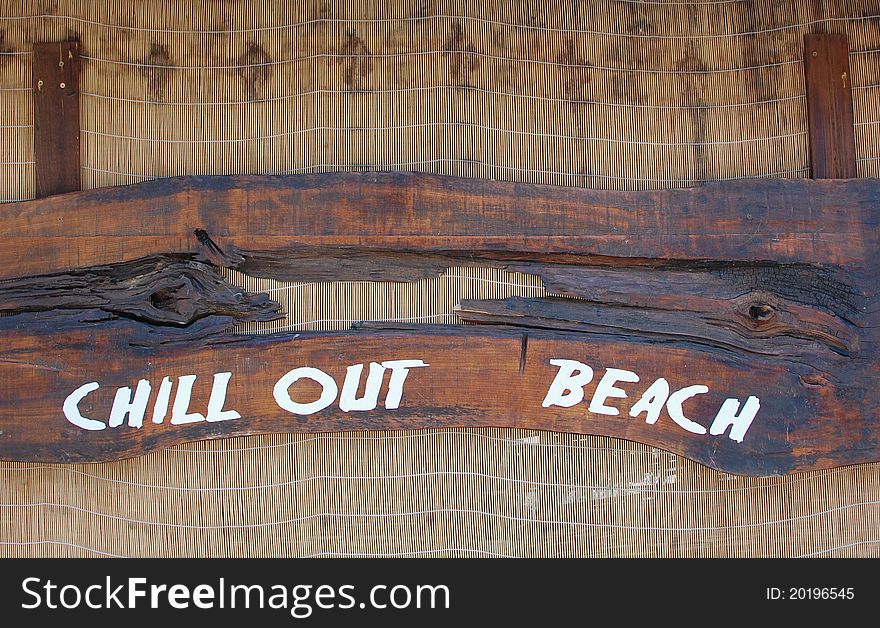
<point x="735" y="324"/>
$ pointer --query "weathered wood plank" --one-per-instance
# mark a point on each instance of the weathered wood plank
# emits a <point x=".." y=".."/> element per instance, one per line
<point x="762" y="293"/>
<point x="475" y="376"/>
<point x="829" y="106"/>
<point x="158" y="291"/>
<point x="784" y="221"/>
<point x="56" y="117"/>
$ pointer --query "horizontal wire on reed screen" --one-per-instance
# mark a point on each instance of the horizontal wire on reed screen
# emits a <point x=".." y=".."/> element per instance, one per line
<point x="625" y="94"/>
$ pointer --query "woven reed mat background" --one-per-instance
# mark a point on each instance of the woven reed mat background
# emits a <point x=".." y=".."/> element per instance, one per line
<point x="608" y="94"/>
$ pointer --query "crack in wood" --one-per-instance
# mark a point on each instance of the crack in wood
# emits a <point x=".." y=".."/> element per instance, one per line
<point x="157" y="291"/>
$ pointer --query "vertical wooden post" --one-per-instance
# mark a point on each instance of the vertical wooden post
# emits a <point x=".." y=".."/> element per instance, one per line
<point x="56" y="117"/>
<point x="829" y="106"/>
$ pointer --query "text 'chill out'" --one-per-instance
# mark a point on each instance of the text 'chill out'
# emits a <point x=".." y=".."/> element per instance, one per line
<point x="566" y="390"/>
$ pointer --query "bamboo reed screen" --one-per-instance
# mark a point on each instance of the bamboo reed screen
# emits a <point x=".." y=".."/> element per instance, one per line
<point x="634" y="94"/>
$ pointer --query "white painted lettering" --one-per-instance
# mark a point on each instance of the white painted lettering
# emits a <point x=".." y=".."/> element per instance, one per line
<point x="673" y="406"/>
<point x="567" y="388"/>
<point x="399" y="371"/>
<point x="652" y="401"/>
<point x="135" y="409"/>
<point x="281" y="392"/>
<point x="180" y="414"/>
<point x="71" y="408"/>
<point x="740" y="423"/>
<point x="348" y="401"/>
<point x="606" y="389"/>
<point x="218" y="398"/>
<point x="565" y="391"/>
<point x="162" y="399"/>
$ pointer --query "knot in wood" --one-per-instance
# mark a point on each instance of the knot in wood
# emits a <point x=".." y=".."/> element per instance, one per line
<point x="175" y="299"/>
<point x="760" y="312"/>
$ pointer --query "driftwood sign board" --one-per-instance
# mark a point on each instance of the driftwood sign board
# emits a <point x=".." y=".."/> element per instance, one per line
<point x="735" y="324"/>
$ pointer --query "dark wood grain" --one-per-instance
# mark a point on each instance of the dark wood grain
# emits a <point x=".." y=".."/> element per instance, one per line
<point x="763" y="289"/>
<point x="158" y="291"/>
<point x="829" y="106"/>
<point x="811" y="415"/>
<point x="784" y="221"/>
<point x="56" y="117"/>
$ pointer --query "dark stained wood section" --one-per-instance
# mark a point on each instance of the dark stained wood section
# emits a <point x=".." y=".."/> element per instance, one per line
<point x="158" y="291"/>
<point x="784" y="221"/>
<point x="56" y="117"/>
<point x="759" y="289"/>
<point x="829" y="106"/>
